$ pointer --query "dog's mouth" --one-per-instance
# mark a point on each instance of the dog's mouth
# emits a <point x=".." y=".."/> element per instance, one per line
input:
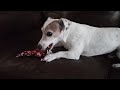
<point x="49" y="47"/>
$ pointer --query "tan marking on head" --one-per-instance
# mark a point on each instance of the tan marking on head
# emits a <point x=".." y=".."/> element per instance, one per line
<point x="53" y="26"/>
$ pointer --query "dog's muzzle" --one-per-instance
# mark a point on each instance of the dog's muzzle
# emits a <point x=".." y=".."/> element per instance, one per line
<point x="47" y="49"/>
<point x="39" y="46"/>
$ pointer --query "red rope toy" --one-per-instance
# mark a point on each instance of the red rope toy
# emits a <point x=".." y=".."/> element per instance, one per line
<point x="36" y="53"/>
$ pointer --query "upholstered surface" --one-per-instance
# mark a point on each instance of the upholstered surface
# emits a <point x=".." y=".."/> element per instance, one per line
<point x="21" y="31"/>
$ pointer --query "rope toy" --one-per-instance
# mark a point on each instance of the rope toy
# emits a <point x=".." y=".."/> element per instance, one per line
<point x="36" y="53"/>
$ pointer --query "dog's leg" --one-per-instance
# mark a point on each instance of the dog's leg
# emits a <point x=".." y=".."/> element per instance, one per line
<point x="71" y="54"/>
<point x="61" y="54"/>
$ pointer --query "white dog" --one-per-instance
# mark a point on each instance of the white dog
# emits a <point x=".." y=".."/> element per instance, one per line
<point x="78" y="39"/>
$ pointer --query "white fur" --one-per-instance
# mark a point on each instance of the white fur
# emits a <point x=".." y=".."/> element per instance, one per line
<point x="81" y="39"/>
<point x="116" y="65"/>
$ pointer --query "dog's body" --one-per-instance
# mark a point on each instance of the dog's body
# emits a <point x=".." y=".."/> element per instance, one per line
<point x="80" y="39"/>
<point x="96" y="41"/>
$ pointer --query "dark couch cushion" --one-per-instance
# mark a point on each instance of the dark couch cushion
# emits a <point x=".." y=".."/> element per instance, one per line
<point x="27" y="25"/>
<point x="14" y="23"/>
<point x="94" y="18"/>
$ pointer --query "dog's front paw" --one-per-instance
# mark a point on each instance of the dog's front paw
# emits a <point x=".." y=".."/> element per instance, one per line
<point x="49" y="58"/>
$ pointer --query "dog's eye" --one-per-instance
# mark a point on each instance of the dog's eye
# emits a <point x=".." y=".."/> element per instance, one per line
<point x="49" y="33"/>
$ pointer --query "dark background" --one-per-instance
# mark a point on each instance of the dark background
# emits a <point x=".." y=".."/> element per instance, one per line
<point x="20" y="30"/>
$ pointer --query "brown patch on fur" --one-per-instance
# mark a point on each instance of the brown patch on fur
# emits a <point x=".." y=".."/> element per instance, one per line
<point x="53" y="26"/>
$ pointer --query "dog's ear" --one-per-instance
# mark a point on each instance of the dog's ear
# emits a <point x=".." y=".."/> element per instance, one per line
<point x="49" y="18"/>
<point x="61" y="24"/>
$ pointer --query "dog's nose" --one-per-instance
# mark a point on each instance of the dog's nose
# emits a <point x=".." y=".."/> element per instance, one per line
<point x="39" y="46"/>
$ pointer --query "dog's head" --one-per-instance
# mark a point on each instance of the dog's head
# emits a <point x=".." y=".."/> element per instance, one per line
<point x="52" y="32"/>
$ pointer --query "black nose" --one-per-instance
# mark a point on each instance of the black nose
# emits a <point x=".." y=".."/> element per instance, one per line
<point x="39" y="47"/>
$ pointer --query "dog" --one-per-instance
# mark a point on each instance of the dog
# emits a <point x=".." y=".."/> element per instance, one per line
<point x="78" y="39"/>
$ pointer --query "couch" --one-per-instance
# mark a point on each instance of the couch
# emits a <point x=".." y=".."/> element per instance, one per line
<point x="20" y="30"/>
